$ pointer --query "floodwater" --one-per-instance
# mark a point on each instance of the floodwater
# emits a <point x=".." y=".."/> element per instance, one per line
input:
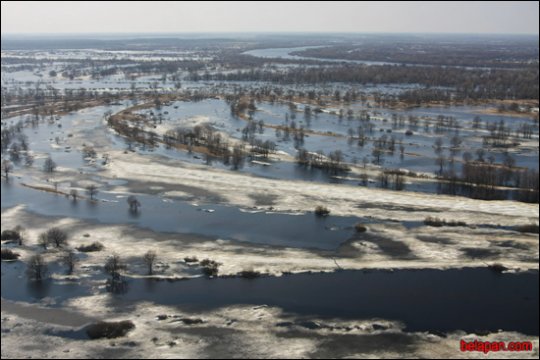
<point x="285" y="53"/>
<point x="174" y="216"/>
<point x="470" y="299"/>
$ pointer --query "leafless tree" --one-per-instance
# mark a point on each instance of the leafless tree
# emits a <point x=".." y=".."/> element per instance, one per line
<point x="36" y="268"/>
<point x="133" y="203"/>
<point x="149" y="260"/>
<point x="113" y="266"/>
<point x="43" y="241"/>
<point x="55" y="236"/>
<point x="7" y="167"/>
<point x="49" y="165"/>
<point x="92" y="191"/>
<point x="74" y="194"/>
<point x="69" y="259"/>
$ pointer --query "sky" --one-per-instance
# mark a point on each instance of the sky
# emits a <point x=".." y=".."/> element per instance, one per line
<point x="45" y="17"/>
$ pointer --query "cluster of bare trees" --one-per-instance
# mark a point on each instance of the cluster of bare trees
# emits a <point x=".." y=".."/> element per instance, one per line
<point x="289" y="130"/>
<point x="499" y="135"/>
<point x="54" y="236"/>
<point x="16" y="144"/>
<point x="482" y="179"/>
<point x="390" y="178"/>
<point x="381" y="146"/>
<point x="332" y="163"/>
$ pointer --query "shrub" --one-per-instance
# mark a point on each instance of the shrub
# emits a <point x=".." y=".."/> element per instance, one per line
<point x="436" y="222"/>
<point x="7" y="254"/>
<point x="192" y="321"/>
<point x="210" y="267"/>
<point x="360" y="228"/>
<point x="95" y="246"/>
<point x="10" y="235"/>
<point x="322" y="211"/>
<point x="497" y="267"/>
<point x="109" y="330"/>
<point x="250" y="274"/>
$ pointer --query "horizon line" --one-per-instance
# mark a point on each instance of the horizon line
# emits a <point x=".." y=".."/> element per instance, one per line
<point x="264" y="32"/>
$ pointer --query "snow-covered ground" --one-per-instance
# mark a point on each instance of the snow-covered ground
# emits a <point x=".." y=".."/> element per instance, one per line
<point x="237" y="332"/>
<point x="299" y="195"/>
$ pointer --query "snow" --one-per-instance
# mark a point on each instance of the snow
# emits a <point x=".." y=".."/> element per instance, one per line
<point x="238" y="331"/>
<point x="340" y="199"/>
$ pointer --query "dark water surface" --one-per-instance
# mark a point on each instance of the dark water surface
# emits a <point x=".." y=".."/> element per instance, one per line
<point x="471" y="299"/>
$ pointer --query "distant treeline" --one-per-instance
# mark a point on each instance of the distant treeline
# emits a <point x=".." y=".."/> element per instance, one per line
<point x="468" y="84"/>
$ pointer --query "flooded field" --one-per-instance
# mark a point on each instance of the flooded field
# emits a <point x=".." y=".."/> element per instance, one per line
<point x="202" y="188"/>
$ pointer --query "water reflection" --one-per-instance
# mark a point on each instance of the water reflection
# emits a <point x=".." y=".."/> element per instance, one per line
<point x="134" y="213"/>
<point x="38" y="289"/>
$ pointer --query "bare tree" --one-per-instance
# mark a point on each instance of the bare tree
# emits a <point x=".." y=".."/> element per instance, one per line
<point x="21" y="233"/>
<point x="237" y="158"/>
<point x="133" y="203"/>
<point x="69" y="259"/>
<point x="74" y="194"/>
<point x="43" y="241"/>
<point x="7" y="167"/>
<point x="56" y="236"/>
<point x="150" y="259"/>
<point x="113" y="266"/>
<point x="440" y="161"/>
<point x="49" y="165"/>
<point x="92" y="191"/>
<point x="36" y="268"/>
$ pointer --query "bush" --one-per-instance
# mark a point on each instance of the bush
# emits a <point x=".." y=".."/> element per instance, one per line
<point x="436" y="222"/>
<point x="10" y="235"/>
<point x="249" y="274"/>
<point x="210" y="267"/>
<point x="528" y="228"/>
<point x="7" y="254"/>
<point x="322" y="211"/>
<point x="95" y="246"/>
<point x="497" y="267"/>
<point x="360" y="228"/>
<point x="109" y="330"/>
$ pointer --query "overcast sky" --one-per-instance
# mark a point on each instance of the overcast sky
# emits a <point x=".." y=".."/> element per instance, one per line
<point x="370" y="16"/>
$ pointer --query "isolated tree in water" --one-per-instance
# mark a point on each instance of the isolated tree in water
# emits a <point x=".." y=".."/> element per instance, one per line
<point x="69" y="259"/>
<point x="7" y="167"/>
<point x="36" y="268"/>
<point x="49" y="165"/>
<point x="92" y="191"/>
<point x="113" y="266"/>
<point x="133" y="203"/>
<point x="74" y="194"/>
<point x="149" y="260"/>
